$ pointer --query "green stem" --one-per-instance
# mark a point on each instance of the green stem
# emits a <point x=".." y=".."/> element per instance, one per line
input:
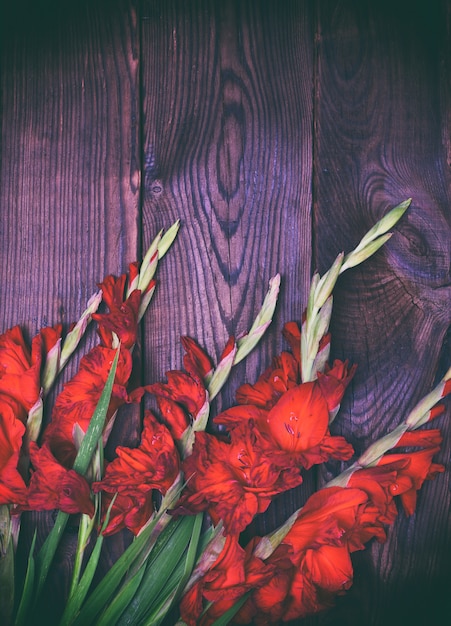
<point x="84" y="534"/>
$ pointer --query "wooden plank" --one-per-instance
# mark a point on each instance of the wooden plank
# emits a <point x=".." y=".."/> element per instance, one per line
<point x="227" y="148"/>
<point x="380" y="114"/>
<point x="227" y="142"/>
<point x="70" y="170"/>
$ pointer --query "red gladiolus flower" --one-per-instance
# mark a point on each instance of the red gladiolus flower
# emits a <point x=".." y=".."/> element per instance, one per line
<point x="422" y="438"/>
<point x="416" y="468"/>
<point x="400" y="474"/>
<point x="196" y="361"/>
<point x="297" y="424"/>
<point x="272" y="384"/>
<point x="293" y="416"/>
<point x="235" y="481"/>
<point x="299" y="419"/>
<point x="128" y="511"/>
<point x="52" y="486"/>
<point x="79" y="398"/>
<point x="12" y="486"/>
<point x="235" y="572"/>
<point x="122" y="318"/>
<point x="333" y="383"/>
<point x="20" y="371"/>
<point x="380" y="510"/>
<point x="181" y="399"/>
<point x="154" y="464"/>
<point x="312" y="564"/>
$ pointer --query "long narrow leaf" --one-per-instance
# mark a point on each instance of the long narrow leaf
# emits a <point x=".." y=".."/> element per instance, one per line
<point x="81" y="464"/>
<point x="159" y="569"/>
<point x="27" y="592"/>
<point x="96" y="424"/>
<point x="6" y="565"/>
<point x="180" y="577"/>
<point x="109" y="584"/>
<point x="163" y="602"/>
<point x="76" y="600"/>
<point x="115" y="608"/>
<point x="47" y="552"/>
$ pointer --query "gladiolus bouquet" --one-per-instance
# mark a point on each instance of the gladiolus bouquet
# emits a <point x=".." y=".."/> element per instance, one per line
<point x="184" y="493"/>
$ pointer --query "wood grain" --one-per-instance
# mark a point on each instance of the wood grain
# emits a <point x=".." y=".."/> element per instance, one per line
<point x="69" y="174"/>
<point x="278" y="133"/>
<point x="378" y="142"/>
<point x="227" y="148"/>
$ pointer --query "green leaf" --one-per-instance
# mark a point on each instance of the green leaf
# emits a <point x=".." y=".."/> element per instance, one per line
<point x="81" y="464"/>
<point x="109" y="584"/>
<point x="120" y="602"/>
<point x="159" y="569"/>
<point x="27" y="592"/>
<point x="96" y="424"/>
<point x="47" y="552"/>
<point x="6" y="565"/>
<point x="190" y="561"/>
<point x="164" y="601"/>
<point x="77" y="598"/>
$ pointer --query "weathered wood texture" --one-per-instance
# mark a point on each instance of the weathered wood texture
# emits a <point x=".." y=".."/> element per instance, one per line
<point x="70" y="173"/>
<point x="278" y="133"/>
<point x="228" y="149"/>
<point x="379" y="115"/>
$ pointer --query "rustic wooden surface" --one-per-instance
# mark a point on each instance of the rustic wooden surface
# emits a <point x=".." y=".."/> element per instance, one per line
<point x="278" y="132"/>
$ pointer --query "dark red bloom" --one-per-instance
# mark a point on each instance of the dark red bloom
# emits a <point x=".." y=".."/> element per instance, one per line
<point x="416" y="468"/>
<point x="79" y="398"/>
<point x="128" y="511"/>
<point x="154" y="464"/>
<point x="122" y="318"/>
<point x="380" y="510"/>
<point x="298" y="424"/>
<point x="401" y="474"/>
<point x="312" y="564"/>
<point x="52" y="486"/>
<point x="333" y="383"/>
<point x="294" y="416"/>
<point x="235" y="481"/>
<point x="12" y="486"/>
<point x="234" y="572"/>
<point x="272" y="384"/>
<point x="20" y="371"/>
<point x="183" y="397"/>
<point x="196" y="361"/>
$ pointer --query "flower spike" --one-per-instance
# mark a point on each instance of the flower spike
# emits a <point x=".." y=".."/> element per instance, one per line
<point x="157" y="249"/>
<point x="261" y="323"/>
<point x="74" y="336"/>
<point x="317" y="321"/>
